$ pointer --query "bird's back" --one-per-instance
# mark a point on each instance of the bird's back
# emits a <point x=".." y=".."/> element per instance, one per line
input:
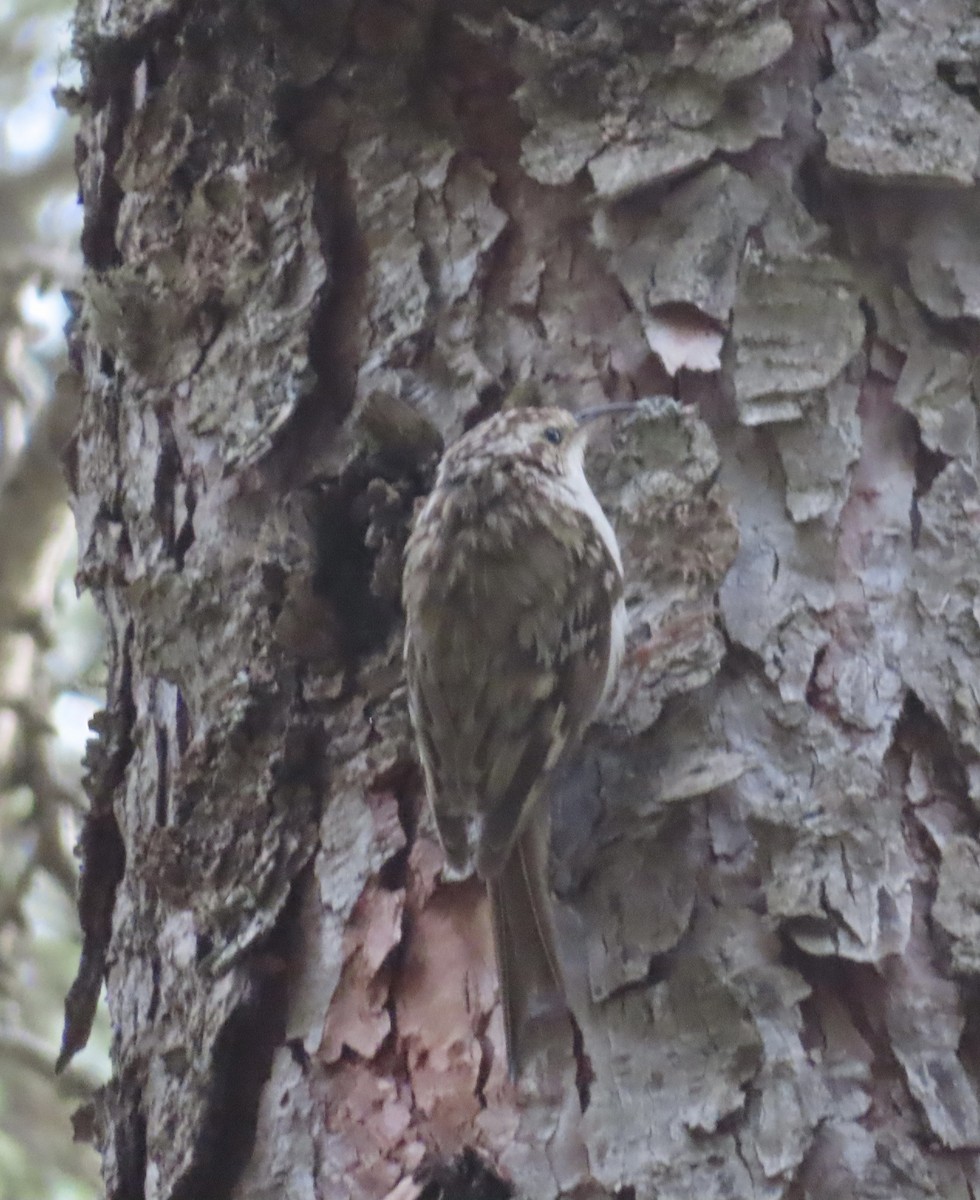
<point x="508" y="604"/>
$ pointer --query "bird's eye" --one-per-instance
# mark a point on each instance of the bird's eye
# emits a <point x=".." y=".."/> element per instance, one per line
<point x="553" y="435"/>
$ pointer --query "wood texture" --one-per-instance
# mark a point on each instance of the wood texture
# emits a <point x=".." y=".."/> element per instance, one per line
<point x="767" y="854"/>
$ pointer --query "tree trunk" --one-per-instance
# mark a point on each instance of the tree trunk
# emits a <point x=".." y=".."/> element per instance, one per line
<point x="321" y="240"/>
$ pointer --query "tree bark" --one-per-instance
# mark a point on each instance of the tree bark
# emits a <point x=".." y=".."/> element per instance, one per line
<point x="320" y="241"/>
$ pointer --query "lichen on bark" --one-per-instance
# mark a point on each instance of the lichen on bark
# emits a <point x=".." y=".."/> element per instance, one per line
<point x="320" y="243"/>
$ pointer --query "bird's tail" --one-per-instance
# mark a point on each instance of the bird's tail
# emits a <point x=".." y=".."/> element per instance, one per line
<point x="532" y="990"/>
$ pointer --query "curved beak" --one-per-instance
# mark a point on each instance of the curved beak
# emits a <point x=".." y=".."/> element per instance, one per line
<point x="585" y="415"/>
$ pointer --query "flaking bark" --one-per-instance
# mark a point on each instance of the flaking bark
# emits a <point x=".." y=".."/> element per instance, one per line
<point x="322" y="239"/>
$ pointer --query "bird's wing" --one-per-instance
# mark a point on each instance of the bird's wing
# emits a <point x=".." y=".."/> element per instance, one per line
<point x="505" y="684"/>
<point x="561" y="667"/>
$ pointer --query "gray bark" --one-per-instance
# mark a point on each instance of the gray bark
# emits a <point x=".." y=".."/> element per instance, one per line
<point x="319" y="240"/>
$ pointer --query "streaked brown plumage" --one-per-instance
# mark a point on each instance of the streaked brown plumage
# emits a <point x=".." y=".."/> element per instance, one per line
<point x="514" y="630"/>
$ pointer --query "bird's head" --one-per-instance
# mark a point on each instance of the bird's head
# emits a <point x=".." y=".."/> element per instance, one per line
<point x="549" y="440"/>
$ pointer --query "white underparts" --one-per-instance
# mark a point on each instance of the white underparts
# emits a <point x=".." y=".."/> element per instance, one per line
<point x="582" y="497"/>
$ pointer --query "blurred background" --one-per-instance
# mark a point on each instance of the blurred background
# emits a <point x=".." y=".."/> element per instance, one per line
<point x="50" y="649"/>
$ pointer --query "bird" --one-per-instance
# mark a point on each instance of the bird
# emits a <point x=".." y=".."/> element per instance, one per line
<point x="514" y="631"/>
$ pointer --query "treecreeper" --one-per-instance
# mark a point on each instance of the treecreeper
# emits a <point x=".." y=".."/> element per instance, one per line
<point x="515" y="626"/>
